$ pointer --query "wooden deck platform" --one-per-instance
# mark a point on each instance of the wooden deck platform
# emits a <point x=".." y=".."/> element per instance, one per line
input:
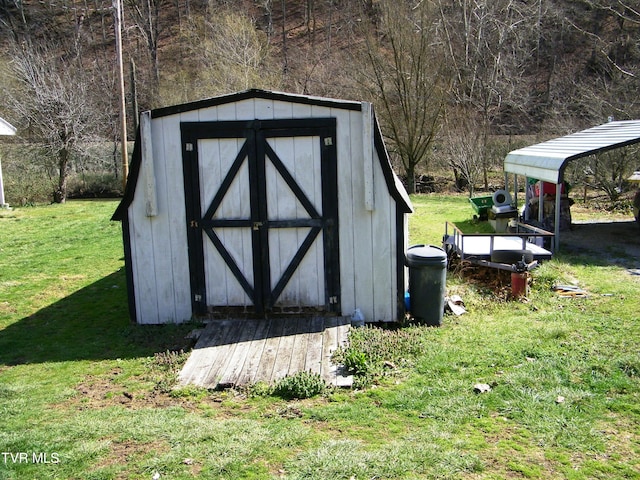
<point x="236" y="352"/>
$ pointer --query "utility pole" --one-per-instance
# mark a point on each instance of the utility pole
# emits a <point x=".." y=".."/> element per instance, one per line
<point x="123" y="115"/>
<point x="134" y="94"/>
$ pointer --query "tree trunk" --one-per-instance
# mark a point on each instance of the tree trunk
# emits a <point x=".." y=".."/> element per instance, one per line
<point x="60" y="195"/>
<point x="411" y="178"/>
<point x="285" y="65"/>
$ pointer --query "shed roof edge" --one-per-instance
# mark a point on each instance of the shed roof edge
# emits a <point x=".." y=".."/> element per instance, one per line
<point x="394" y="186"/>
<point x="255" y="93"/>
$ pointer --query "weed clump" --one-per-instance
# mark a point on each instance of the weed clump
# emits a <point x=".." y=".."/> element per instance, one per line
<point x="373" y="352"/>
<point x="299" y="386"/>
<point x="164" y="367"/>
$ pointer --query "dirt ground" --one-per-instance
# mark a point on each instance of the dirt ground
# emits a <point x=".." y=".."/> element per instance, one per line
<point x="610" y="241"/>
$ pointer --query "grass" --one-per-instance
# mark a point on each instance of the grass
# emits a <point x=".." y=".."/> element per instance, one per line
<point x="92" y="392"/>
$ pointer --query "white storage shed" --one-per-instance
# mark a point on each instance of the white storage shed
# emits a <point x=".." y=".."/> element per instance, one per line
<point x="259" y="203"/>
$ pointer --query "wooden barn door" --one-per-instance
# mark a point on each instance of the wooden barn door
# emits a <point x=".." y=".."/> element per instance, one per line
<point x="262" y="215"/>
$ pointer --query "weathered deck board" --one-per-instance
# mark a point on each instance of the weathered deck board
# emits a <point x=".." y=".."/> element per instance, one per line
<point x="220" y="356"/>
<point x="252" y="362"/>
<point x="313" y="360"/>
<point x="300" y="343"/>
<point x="268" y="359"/>
<point x="240" y="352"/>
<point x="202" y="358"/>
<point x="342" y="379"/>
<point x="329" y="345"/>
<point x="233" y="367"/>
<point x="285" y="350"/>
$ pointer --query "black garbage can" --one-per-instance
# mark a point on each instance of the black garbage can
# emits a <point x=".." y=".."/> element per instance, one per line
<point x="427" y="282"/>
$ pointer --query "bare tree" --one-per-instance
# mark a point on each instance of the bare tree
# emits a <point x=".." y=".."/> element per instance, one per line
<point x="463" y="149"/>
<point x="488" y="44"/>
<point x="285" y="53"/>
<point x="607" y="172"/>
<point x="267" y="8"/>
<point x="229" y="54"/>
<point x="54" y="106"/>
<point x="146" y="18"/>
<point x="609" y="76"/>
<point x="13" y="18"/>
<point x="408" y="79"/>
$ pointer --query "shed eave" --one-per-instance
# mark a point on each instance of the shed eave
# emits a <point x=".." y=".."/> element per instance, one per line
<point x="394" y="185"/>
<point x="256" y="93"/>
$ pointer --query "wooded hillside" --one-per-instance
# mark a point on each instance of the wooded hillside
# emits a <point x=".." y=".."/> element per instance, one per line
<point x="447" y="78"/>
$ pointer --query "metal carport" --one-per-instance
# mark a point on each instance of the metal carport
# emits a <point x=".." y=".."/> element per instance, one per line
<point x="547" y="161"/>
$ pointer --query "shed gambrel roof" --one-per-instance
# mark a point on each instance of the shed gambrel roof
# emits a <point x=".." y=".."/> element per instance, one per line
<point x="395" y="187"/>
<point x="547" y="160"/>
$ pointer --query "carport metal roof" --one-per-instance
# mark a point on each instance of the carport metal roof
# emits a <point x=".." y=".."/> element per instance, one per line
<point x="546" y="161"/>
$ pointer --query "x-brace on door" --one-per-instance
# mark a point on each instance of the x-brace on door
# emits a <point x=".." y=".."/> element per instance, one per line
<point x="262" y="214"/>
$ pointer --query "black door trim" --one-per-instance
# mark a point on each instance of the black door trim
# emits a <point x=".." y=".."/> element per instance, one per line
<point x="256" y="151"/>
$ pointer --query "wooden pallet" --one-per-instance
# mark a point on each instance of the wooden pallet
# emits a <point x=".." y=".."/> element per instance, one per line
<point x="234" y="352"/>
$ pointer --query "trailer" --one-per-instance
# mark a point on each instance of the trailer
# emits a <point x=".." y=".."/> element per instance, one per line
<point x="519" y="250"/>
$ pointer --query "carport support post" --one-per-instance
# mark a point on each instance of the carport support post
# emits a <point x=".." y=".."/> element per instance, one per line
<point x="556" y="226"/>
<point x="541" y="201"/>
<point x="527" y="197"/>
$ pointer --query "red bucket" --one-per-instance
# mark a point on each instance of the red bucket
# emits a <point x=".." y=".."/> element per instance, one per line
<point x="519" y="284"/>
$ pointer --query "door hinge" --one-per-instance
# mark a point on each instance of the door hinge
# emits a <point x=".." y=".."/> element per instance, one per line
<point x="193" y="224"/>
<point x="328" y="141"/>
<point x="188" y="147"/>
<point x="333" y="300"/>
<point x="197" y="298"/>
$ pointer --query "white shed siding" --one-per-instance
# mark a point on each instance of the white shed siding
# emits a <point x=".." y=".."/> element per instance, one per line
<point x="372" y="265"/>
<point x="367" y="238"/>
<point x="356" y="244"/>
<point x="174" y="189"/>
<point x="383" y="256"/>
<point x="159" y="246"/>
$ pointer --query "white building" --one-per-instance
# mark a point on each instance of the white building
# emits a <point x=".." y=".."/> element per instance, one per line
<point x="261" y="203"/>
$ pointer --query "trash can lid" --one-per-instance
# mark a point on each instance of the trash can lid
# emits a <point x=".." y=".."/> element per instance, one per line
<point x="426" y="255"/>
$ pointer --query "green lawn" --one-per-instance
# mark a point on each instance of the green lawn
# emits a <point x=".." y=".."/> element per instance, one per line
<point x="86" y="395"/>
